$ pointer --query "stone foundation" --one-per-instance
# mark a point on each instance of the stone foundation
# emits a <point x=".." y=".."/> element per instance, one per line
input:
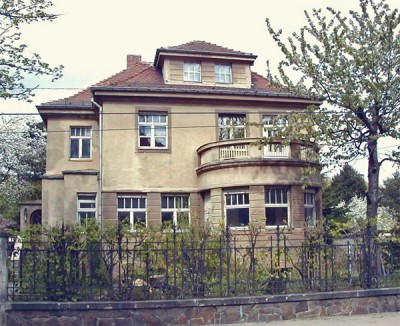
<point x="203" y="311"/>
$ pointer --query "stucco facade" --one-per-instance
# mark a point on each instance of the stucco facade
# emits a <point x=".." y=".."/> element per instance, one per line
<point x="156" y="141"/>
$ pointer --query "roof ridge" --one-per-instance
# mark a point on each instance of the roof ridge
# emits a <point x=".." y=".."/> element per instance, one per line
<point x="214" y="48"/>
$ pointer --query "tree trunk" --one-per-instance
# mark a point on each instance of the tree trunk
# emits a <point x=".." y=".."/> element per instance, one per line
<point x="373" y="269"/>
<point x="373" y="183"/>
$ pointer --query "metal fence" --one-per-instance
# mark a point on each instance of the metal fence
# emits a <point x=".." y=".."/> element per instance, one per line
<point x="181" y="266"/>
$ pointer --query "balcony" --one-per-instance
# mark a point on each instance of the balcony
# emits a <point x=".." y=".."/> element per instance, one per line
<point x="246" y="150"/>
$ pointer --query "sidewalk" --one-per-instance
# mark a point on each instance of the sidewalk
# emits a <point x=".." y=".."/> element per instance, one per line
<point x="382" y="319"/>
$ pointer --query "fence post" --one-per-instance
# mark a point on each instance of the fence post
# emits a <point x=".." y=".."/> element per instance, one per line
<point x="3" y="275"/>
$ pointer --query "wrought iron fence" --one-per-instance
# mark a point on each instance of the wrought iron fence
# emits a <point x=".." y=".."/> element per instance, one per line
<point x="178" y="266"/>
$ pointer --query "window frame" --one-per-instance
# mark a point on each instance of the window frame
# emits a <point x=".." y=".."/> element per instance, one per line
<point x="282" y="204"/>
<point x="80" y="139"/>
<point x="191" y="70"/>
<point x="132" y="210"/>
<point x="223" y="73"/>
<point x="175" y="210"/>
<point x="229" y="205"/>
<point x="231" y="127"/>
<point x="309" y="194"/>
<point x="153" y="125"/>
<point x="79" y="209"/>
<point x="269" y="129"/>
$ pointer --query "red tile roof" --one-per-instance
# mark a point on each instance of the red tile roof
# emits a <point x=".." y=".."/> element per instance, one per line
<point x="144" y="77"/>
<point x="205" y="47"/>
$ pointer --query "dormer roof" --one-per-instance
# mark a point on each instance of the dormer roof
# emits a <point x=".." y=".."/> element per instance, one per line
<point x="201" y="49"/>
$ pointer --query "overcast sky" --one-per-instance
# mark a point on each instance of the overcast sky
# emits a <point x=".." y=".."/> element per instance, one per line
<point x="91" y="38"/>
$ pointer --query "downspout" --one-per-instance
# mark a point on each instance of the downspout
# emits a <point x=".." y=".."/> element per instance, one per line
<point x="100" y="177"/>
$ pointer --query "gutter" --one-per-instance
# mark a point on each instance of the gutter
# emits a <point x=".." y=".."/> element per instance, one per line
<point x="100" y="175"/>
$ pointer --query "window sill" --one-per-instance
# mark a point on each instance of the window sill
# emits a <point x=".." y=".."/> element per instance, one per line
<point x="274" y="227"/>
<point x="153" y="150"/>
<point x="81" y="159"/>
<point x="239" y="228"/>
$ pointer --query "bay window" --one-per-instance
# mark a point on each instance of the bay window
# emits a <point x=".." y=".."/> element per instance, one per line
<point x="277" y="206"/>
<point x="237" y="209"/>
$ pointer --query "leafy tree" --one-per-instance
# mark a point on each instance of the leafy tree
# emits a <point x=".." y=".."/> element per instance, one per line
<point x="344" y="186"/>
<point x="356" y="216"/>
<point x="22" y="162"/>
<point x="390" y="194"/>
<point x="16" y="62"/>
<point x="353" y="63"/>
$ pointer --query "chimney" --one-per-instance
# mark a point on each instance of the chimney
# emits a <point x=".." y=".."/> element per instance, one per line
<point x="131" y="59"/>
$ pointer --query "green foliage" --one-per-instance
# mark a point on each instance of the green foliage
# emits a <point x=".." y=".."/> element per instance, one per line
<point x="17" y="62"/>
<point x="345" y="185"/>
<point x="22" y="162"/>
<point x="352" y="63"/>
<point x="390" y="194"/>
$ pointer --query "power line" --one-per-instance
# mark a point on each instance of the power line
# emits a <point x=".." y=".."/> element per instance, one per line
<point x="233" y="112"/>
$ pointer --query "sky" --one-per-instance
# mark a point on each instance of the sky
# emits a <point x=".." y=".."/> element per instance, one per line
<point x="91" y="38"/>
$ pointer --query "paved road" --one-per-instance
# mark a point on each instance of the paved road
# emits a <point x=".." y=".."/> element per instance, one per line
<point x="384" y="319"/>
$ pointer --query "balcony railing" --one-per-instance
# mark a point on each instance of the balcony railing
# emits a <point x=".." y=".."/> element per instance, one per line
<point x="247" y="148"/>
<point x="276" y="150"/>
<point x="234" y="151"/>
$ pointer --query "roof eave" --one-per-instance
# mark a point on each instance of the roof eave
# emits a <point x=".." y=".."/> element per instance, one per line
<point x="160" y="51"/>
<point x="246" y="93"/>
<point x="46" y="110"/>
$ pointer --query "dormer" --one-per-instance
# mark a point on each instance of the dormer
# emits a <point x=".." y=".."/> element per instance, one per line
<point x="204" y="64"/>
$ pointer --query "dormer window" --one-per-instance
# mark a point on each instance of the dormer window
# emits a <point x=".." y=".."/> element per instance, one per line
<point x="192" y="72"/>
<point x="223" y="74"/>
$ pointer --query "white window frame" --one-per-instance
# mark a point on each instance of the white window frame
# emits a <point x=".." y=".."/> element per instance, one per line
<point x="223" y="73"/>
<point x="234" y="200"/>
<point x="192" y="72"/>
<point x="230" y="125"/>
<point x="270" y="126"/>
<point x="141" y="208"/>
<point x="154" y="122"/>
<point x="309" y="203"/>
<point x="80" y="134"/>
<point x="174" y="208"/>
<point x="275" y="198"/>
<point x="85" y="199"/>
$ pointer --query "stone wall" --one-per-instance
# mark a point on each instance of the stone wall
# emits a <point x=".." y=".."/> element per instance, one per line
<point x="203" y="311"/>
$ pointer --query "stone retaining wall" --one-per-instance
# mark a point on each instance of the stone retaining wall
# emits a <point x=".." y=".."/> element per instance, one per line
<point x="203" y="311"/>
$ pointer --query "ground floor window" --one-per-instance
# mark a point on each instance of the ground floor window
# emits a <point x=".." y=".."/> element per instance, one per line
<point x="237" y="209"/>
<point x="277" y="206"/>
<point x="86" y="207"/>
<point x="175" y="210"/>
<point x="309" y="207"/>
<point x="132" y="210"/>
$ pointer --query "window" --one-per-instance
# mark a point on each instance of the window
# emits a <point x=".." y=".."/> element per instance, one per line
<point x="81" y="142"/>
<point x="86" y="207"/>
<point x="175" y="210"/>
<point x="237" y="209"/>
<point x="271" y="125"/>
<point x="192" y="72"/>
<point x="309" y="207"/>
<point x="132" y="209"/>
<point x="223" y="74"/>
<point x="231" y="126"/>
<point x="277" y="206"/>
<point x="153" y="130"/>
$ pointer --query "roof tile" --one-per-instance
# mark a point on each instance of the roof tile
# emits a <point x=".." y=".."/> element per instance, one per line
<point x="143" y="75"/>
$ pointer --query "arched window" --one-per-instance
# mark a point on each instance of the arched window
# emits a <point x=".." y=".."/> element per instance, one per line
<point x="36" y="217"/>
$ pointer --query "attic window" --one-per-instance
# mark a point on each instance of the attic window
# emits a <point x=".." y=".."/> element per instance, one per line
<point x="192" y="72"/>
<point x="223" y="74"/>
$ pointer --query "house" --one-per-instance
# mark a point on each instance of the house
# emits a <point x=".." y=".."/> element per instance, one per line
<point x="167" y="142"/>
